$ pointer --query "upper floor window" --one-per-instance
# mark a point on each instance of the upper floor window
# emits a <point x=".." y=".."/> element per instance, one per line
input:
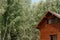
<point x="52" y="20"/>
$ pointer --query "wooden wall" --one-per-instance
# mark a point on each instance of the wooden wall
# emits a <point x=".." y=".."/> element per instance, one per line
<point x="49" y="29"/>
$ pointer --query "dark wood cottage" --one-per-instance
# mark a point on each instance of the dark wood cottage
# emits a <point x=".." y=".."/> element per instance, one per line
<point x="49" y="26"/>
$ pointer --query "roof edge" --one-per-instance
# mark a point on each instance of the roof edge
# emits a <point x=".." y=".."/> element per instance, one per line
<point x="53" y="13"/>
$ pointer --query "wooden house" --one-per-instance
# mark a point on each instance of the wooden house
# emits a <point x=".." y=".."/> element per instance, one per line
<point x="49" y="26"/>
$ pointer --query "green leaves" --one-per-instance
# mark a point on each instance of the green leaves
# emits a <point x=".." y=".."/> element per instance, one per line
<point x="16" y="20"/>
<point x="20" y="19"/>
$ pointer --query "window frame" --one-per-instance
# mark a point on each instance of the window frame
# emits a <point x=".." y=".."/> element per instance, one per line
<point x="52" y="20"/>
<point x="53" y="36"/>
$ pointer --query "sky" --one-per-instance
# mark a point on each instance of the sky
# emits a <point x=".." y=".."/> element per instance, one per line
<point x="35" y="1"/>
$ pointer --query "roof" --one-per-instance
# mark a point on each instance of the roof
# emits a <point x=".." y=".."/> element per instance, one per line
<point x="56" y="14"/>
<point x="53" y="13"/>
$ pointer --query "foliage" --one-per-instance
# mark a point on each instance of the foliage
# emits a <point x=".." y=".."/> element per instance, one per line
<point x="18" y="18"/>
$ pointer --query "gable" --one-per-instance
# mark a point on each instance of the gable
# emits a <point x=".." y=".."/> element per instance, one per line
<point x="48" y="15"/>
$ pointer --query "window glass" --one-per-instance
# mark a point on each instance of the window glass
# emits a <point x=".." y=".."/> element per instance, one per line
<point x="53" y="37"/>
<point x="52" y="20"/>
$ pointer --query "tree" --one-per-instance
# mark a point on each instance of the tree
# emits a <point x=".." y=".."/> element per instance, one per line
<point x="11" y="19"/>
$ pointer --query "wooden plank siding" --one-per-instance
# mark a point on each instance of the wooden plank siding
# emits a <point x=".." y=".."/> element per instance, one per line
<point x="45" y="29"/>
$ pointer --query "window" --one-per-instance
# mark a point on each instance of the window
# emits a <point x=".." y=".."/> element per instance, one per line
<point x="48" y="21"/>
<point x="52" y="20"/>
<point x="53" y="37"/>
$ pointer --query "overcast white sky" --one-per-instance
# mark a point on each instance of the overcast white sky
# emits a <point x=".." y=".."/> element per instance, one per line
<point x="36" y="1"/>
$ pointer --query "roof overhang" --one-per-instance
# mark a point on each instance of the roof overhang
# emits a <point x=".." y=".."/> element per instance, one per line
<point x="53" y="13"/>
